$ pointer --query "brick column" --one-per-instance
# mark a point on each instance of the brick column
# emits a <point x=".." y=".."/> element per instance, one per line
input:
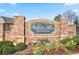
<point x="1" y="31"/>
<point x="18" y="29"/>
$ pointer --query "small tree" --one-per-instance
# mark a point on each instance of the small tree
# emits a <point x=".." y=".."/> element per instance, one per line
<point x="58" y="17"/>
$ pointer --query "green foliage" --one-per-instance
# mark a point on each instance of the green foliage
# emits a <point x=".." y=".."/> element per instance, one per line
<point x="58" y="17"/>
<point x="8" y="50"/>
<point x="76" y="39"/>
<point x="65" y="40"/>
<point x="48" y="47"/>
<point x="5" y="42"/>
<point x="38" y="52"/>
<point x="6" y="45"/>
<point x="71" y="44"/>
<point x="42" y="46"/>
<point x="0" y="52"/>
<point x="20" y="46"/>
<point x="57" y="45"/>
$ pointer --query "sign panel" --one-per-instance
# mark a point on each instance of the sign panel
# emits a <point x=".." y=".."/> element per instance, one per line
<point x="42" y="28"/>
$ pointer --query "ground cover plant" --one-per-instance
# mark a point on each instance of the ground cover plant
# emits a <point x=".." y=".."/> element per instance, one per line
<point x="66" y="46"/>
<point x="7" y="47"/>
<point x="42" y="48"/>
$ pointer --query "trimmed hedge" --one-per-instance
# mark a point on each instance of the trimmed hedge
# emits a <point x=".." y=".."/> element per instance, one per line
<point x="6" y="45"/>
<point x="8" y="50"/>
<point x="5" y="42"/>
<point x="20" y="46"/>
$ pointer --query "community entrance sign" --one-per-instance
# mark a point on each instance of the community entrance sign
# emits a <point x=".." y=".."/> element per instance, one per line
<point x="42" y="28"/>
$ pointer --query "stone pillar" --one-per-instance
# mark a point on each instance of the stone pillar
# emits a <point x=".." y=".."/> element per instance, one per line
<point x="1" y="31"/>
<point x="64" y="28"/>
<point x="57" y="30"/>
<point x="18" y="29"/>
<point x="71" y="31"/>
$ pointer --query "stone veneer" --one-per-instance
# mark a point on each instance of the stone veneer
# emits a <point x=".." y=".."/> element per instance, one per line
<point x="62" y="30"/>
<point x="16" y="34"/>
<point x="1" y="31"/>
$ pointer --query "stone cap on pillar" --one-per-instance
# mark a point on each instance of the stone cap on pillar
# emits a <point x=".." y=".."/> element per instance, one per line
<point x="19" y="17"/>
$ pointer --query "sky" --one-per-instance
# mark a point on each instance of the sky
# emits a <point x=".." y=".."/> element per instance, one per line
<point x="37" y="10"/>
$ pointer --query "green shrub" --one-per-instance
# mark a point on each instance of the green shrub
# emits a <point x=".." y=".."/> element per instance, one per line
<point x="76" y="39"/>
<point x="5" y="42"/>
<point x="71" y="44"/>
<point x="0" y="53"/>
<point x="20" y="46"/>
<point x="48" y="47"/>
<point x="40" y="47"/>
<point x="8" y="50"/>
<point x="38" y="52"/>
<point x="6" y="45"/>
<point x="65" y="40"/>
<point x="57" y="45"/>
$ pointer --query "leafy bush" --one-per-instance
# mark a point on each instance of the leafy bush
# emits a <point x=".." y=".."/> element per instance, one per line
<point x="76" y="39"/>
<point x="0" y="52"/>
<point x="71" y="44"/>
<point x="8" y="50"/>
<point x="40" y="47"/>
<point x="64" y="41"/>
<point x="5" y="42"/>
<point x="48" y="47"/>
<point x="20" y="46"/>
<point x="38" y="52"/>
<point x="6" y="45"/>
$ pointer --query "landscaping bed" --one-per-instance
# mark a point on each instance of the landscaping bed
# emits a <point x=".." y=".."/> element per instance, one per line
<point x="8" y="48"/>
<point x="67" y="46"/>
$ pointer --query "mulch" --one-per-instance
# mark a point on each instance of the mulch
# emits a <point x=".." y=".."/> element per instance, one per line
<point x="28" y="51"/>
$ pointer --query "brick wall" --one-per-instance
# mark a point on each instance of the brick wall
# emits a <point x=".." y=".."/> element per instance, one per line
<point x="71" y="30"/>
<point x="1" y="31"/>
<point x="17" y="33"/>
<point x="55" y="35"/>
<point x="61" y="30"/>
